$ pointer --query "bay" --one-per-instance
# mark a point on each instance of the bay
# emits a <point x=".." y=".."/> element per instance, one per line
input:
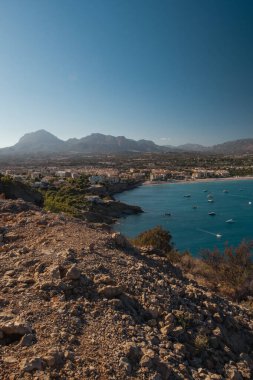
<point x="189" y="205"/>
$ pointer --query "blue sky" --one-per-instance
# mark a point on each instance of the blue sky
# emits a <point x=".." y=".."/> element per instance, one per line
<point x="173" y="71"/>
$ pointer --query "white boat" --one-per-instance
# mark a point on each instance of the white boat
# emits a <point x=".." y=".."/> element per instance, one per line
<point x="187" y="195"/>
<point x="211" y="213"/>
<point x="230" y="221"/>
<point x="210" y="200"/>
<point x="225" y="191"/>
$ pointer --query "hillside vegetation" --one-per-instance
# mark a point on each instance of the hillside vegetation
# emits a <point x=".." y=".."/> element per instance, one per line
<point x="229" y="273"/>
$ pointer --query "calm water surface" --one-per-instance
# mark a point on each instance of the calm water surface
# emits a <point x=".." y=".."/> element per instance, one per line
<point x="193" y="229"/>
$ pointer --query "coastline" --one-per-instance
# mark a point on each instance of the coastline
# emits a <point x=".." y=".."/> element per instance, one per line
<point x="204" y="180"/>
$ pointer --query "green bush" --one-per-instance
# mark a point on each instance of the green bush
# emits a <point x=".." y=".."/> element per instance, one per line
<point x="155" y="238"/>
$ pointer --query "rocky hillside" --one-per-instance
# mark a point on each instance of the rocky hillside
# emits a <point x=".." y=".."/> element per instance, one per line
<point x="78" y="302"/>
<point x="11" y="189"/>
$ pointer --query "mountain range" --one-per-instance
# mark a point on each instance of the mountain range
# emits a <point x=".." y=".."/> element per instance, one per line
<point x="43" y="142"/>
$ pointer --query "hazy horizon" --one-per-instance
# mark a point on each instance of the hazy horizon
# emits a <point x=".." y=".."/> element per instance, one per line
<point x="171" y="71"/>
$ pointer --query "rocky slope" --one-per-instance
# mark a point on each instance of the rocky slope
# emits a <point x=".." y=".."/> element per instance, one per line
<point x="78" y="302"/>
<point x="12" y="189"/>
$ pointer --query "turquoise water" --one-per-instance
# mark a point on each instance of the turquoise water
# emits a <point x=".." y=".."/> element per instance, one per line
<point x="192" y="228"/>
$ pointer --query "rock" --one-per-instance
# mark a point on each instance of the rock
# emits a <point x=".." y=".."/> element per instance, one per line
<point x="69" y="355"/>
<point x="54" y="358"/>
<point x="27" y="340"/>
<point x="233" y="374"/>
<point x="103" y="279"/>
<point x="169" y="317"/>
<point x="146" y="361"/>
<point x="217" y="332"/>
<point x="120" y="240"/>
<point x="10" y="359"/>
<point x="177" y="331"/>
<point x="125" y="363"/>
<point x="132" y="351"/>
<point x="167" y="329"/>
<point x="155" y="312"/>
<point x="178" y="348"/>
<point x="29" y="365"/>
<point x="110" y="291"/>
<point x="214" y="342"/>
<point x="163" y="369"/>
<point x="15" y="328"/>
<point x="55" y="273"/>
<point x="73" y="273"/>
<point x="217" y="318"/>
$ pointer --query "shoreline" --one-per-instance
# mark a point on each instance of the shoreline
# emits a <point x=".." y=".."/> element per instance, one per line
<point x="204" y="180"/>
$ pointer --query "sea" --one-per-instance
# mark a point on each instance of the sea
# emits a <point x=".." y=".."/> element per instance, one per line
<point x="183" y="209"/>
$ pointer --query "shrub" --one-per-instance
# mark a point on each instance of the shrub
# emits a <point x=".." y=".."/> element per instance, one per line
<point x="233" y="269"/>
<point x="156" y="238"/>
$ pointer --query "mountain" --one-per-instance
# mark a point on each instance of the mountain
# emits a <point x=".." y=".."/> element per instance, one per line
<point x="97" y="142"/>
<point x="44" y="142"/>
<point x="36" y="142"/>
<point x="243" y="146"/>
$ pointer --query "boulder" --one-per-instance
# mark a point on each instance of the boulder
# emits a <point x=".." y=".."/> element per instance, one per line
<point x="30" y="365"/>
<point x="73" y="273"/>
<point x="110" y="291"/>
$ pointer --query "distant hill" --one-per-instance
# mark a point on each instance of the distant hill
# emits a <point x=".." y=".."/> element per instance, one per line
<point x="193" y="148"/>
<point x="243" y="146"/>
<point x="43" y="142"/>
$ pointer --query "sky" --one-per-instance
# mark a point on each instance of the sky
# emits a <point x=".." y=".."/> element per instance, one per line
<point x="172" y="71"/>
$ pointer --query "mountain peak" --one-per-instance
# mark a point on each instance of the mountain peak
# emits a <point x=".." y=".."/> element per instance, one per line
<point x="38" y="141"/>
<point x="40" y="134"/>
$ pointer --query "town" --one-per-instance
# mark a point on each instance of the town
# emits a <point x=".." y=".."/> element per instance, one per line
<point x="49" y="172"/>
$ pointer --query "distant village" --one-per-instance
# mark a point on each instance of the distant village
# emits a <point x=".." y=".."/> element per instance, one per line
<point x="47" y="177"/>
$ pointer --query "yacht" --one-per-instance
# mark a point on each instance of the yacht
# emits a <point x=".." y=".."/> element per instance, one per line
<point x="211" y="213"/>
<point x="230" y="221"/>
